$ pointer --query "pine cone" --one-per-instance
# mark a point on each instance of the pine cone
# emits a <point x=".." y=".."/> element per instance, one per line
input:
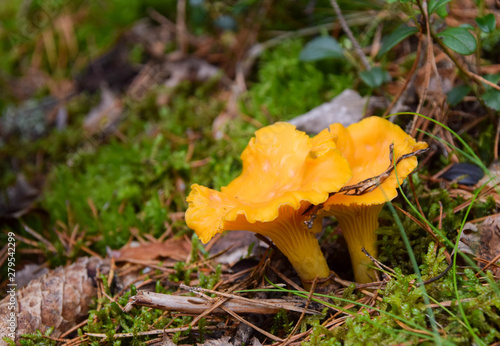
<point x="59" y="299"/>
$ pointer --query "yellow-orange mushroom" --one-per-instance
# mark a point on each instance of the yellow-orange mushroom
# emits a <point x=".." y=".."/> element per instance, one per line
<point x="284" y="173"/>
<point x="366" y="146"/>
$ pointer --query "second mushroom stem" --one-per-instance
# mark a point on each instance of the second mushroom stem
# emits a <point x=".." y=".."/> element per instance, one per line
<point x="358" y="224"/>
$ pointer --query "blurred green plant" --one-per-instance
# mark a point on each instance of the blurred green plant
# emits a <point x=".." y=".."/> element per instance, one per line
<point x="140" y="182"/>
<point x="287" y="87"/>
<point x="465" y="39"/>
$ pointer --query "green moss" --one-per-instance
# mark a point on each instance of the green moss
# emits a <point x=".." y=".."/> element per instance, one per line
<point x="138" y="183"/>
<point x="281" y="324"/>
<point x="287" y="87"/>
<point x="321" y="336"/>
<point x="404" y="302"/>
<point x="485" y="143"/>
<point x="392" y="250"/>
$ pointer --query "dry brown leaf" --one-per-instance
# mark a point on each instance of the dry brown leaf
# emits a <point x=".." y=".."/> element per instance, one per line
<point x="176" y="249"/>
<point x="59" y="299"/>
<point x="483" y="241"/>
<point x="470" y="239"/>
<point x="489" y="247"/>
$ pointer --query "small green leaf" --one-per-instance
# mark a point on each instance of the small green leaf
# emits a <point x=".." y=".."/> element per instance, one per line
<point x="467" y="26"/>
<point x="459" y="39"/>
<point x="487" y="23"/>
<point x="442" y="12"/>
<point x="435" y="5"/>
<point x="374" y="77"/>
<point x="492" y="99"/>
<point x="397" y="36"/>
<point x="321" y="48"/>
<point x="227" y="23"/>
<point x="457" y="94"/>
<point x="493" y="78"/>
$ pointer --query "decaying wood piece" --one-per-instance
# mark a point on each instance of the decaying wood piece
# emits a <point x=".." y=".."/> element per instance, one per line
<point x="59" y="299"/>
<point x="197" y="305"/>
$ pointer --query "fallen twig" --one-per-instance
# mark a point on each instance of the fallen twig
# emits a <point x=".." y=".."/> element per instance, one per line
<point x="349" y="34"/>
<point x="198" y="305"/>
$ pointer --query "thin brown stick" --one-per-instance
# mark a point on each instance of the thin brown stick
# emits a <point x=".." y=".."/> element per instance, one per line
<point x="49" y="246"/>
<point x="478" y="79"/>
<point x="361" y="187"/>
<point x="448" y="303"/>
<point x="440" y="224"/>
<point x="181" y="28"/>
<point x="77" y="341"/>
<point x="467" y="127"/>
<point x="233" y="296"/>
<point x="349" y="34"/>
<point x="311" y="292"/>
<point x="484" y="218"/>
<point x="422" y="225"/>
<point x="497" y="137"/>
<point x="54" y="338"/>
<point x="427" y="65"/>
<point x="489" y="264"/>
<point x="376" y="262"/>
<point x="412" y="186"/>
<point x="241" y="319"/>
<point x="287" y="280"/>
<point x="408" y="78"/>
<point x="418" y="331"/>
<point x="72" y="329"/>
<point x="198" y="305"/>
<point x="370" y="184"/>
<point x="469" y="201"/>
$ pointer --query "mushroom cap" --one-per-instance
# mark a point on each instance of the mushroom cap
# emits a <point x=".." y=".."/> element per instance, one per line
<point x="281" y="167"/>
<point x="366" y="145"/>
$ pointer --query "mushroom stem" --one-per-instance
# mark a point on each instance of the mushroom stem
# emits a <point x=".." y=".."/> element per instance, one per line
<point x="296" y="242"/>
<point x="302" y="250"/>
<point x="358" y="224"/>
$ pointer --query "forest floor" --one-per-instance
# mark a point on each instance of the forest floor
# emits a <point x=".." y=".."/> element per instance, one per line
<point x="109" y="112"/>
